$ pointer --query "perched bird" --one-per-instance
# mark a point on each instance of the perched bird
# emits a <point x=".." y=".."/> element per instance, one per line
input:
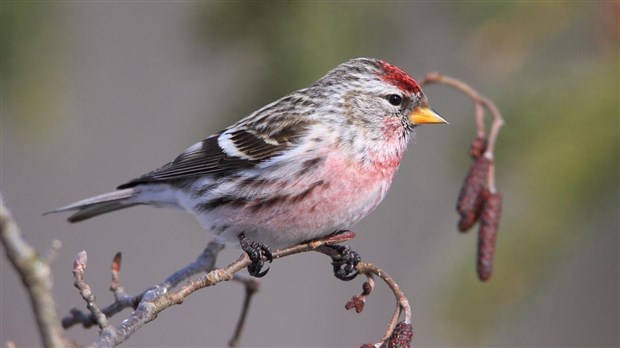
<point x="307" y="165"/>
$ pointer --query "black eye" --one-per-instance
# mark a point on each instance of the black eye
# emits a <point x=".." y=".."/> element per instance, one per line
<point x="395" y="99"/>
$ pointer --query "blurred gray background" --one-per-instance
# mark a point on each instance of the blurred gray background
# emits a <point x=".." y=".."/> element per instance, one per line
<point x="97" y="93"/>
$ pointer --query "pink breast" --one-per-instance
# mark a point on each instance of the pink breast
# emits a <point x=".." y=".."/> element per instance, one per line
<point x="347" y="194"/>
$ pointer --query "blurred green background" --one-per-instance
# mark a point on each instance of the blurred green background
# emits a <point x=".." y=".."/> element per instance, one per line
<point x="96" y="93"/>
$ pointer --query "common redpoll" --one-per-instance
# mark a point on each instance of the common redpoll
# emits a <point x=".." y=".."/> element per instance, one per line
<point x="307" y="165"/>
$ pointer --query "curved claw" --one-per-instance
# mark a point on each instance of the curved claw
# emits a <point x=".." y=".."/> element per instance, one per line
<point x="255" y="268"/>
<point x="261" y="274"/>
<point x="256" y="252"/>
<point x="344" y="266"/>
<point x="345" y="275"/>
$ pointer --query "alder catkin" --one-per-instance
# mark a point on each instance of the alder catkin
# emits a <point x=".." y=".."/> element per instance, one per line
<point x="401" y="336"/>
<point x="468" y="220"/>
<point x="478" y="147"/>
<point x="469" y="200"/>
<point x="487" y="233"/>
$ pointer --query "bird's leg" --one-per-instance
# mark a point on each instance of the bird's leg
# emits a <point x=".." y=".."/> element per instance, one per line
<point x="344" y="260"/>
<point x="256" y="251"/>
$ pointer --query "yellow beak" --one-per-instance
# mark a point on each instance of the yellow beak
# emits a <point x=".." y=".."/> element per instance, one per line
<point x="425" y="115"/>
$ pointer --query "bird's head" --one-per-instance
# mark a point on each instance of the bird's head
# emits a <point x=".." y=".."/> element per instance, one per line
<point x="375" y="93"/>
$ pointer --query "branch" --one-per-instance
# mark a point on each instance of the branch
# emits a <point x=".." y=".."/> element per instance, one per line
<point x="251" y="287"/>
<point x="79" y="266"/>
<point x="204" y="262"/>
<point x="481" y="104"/>
<point x="396" y="331"/>
<point x="156" y="300"/>
<point x="35" y="273"/>
<point x="479" y="199"/>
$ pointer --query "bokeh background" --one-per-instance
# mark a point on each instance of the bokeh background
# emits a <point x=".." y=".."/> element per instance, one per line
<point x="96" y="93"/>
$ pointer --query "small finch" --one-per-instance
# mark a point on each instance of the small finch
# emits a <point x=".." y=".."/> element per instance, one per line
<point x="305" y="166"/>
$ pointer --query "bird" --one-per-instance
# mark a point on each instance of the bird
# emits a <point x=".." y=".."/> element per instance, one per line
<point x="309" y="164"/>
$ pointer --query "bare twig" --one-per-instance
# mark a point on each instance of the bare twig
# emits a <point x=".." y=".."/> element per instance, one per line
<point x="79" y="266"/>
<point x="481" y="103"/>
<point x="402" y="304"/>
<point x="251" y="287"/>
<point x="205" y="261"/>
<point x="156" y="300"/>
<point x="35" y="274"/>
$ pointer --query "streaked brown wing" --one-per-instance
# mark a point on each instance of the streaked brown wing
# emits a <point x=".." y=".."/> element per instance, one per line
<point x="211" y="159"/>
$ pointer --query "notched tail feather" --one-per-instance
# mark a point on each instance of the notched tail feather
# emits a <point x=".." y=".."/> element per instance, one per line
<point x="98" y="209"/>
<point x="105" y="203"/>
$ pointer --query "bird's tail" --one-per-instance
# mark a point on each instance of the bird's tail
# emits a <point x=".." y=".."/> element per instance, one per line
<point x="105" y="203"/>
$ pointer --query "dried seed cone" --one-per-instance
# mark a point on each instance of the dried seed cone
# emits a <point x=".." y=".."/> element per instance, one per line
<point x="401" y="336"/>
<point x="487" y="233"/>
<point x="469" y="200"/>
<point x="468" y="220"/>
<point x="116" y="262"/>
<point x="356" y="302"/>
<point x="478" y="147"/>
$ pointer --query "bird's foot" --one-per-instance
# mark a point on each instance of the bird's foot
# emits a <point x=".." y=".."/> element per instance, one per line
<point x="344" y="262"/>
<point x="258" y="252"/>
